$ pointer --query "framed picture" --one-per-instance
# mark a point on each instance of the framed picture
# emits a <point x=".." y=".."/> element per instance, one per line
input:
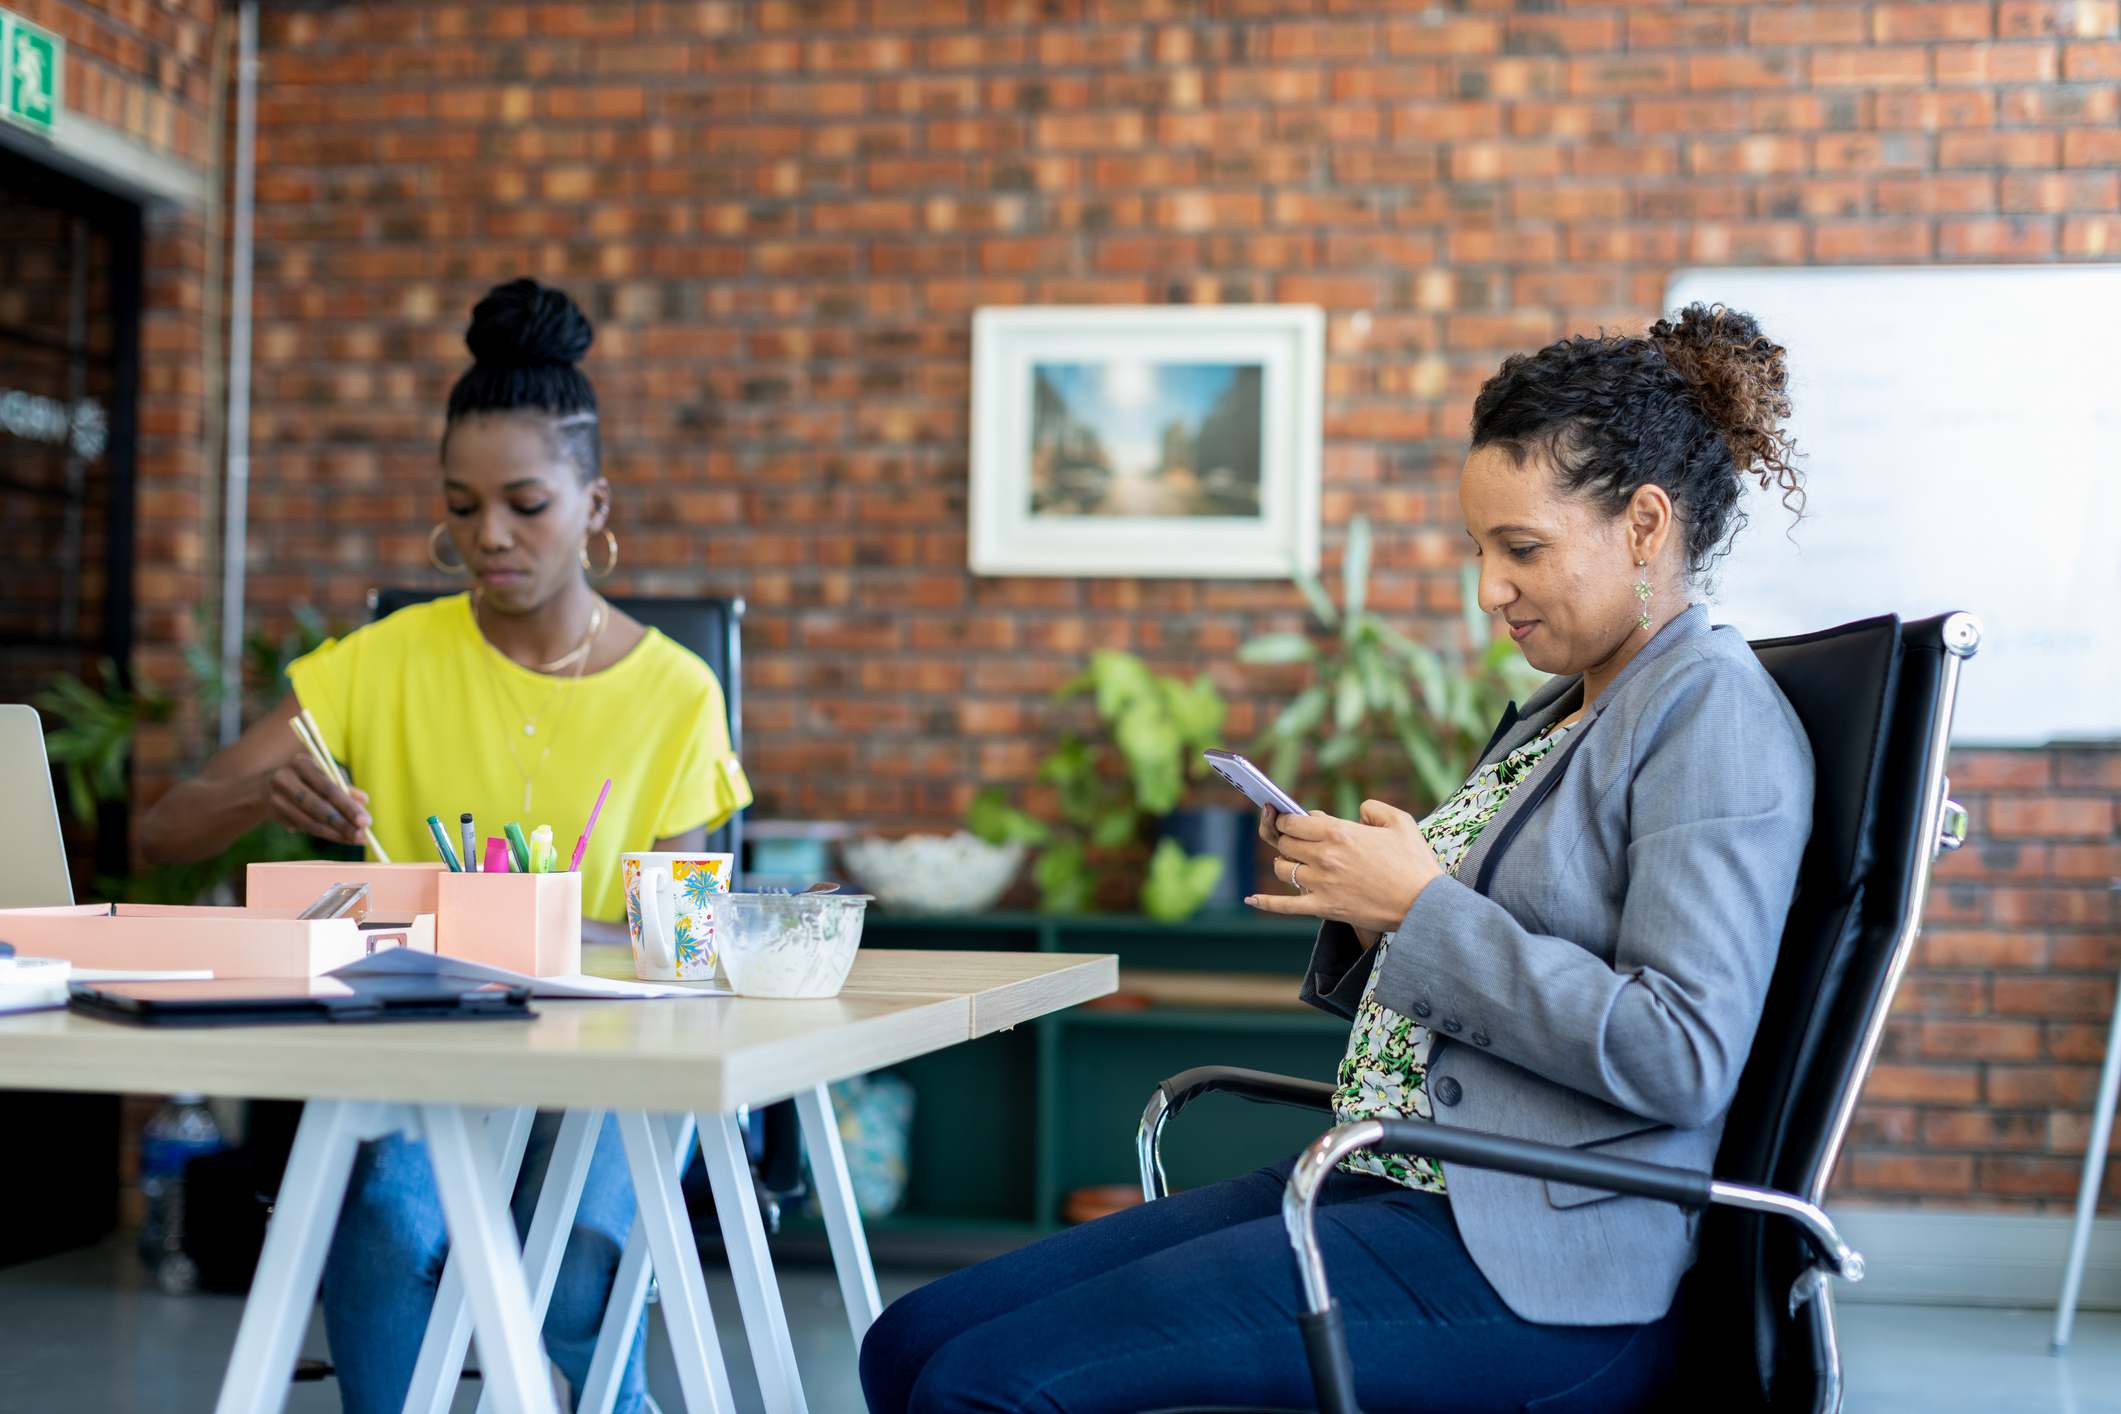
<point x="1166" y="441"/>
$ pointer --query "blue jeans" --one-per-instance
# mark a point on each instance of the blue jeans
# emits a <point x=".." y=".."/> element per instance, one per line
<point x="386" y="1261"/>
<point x="1194" y="1299"/>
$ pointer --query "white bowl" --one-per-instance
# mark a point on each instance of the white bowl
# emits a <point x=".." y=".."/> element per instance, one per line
<point x="788" y="945"/>
<point x="959" y="873"/>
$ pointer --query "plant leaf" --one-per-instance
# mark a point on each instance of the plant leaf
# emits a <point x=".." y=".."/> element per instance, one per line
<point x="1271" y="648"/>
<point x="1321" y="606"/>
<point x="1355" y="571"/>
<point x="1349" y="705"/>
<point x="1305" y="711"/>
<point x="1178" y="883"/>
<point x="1115" y="828"/>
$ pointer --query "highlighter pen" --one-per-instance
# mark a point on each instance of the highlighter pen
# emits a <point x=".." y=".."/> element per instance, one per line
<point x="574" y="865"/>
<point x="496" y="856"/>
<point x="518" y="847"/>
<point x="449" y="856"/>
<point x="470" y="837"/>
<point x="543" y="856"/>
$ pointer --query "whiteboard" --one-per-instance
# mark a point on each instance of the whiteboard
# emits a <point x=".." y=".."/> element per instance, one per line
<point x="1962" y="431"/>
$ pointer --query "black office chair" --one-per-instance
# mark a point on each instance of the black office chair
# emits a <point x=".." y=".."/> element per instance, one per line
<point x="1876" y="699"/>
<point x="712" y="628"/>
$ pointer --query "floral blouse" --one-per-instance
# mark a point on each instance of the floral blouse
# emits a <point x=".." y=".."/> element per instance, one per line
<point x="1384" y="1074"/>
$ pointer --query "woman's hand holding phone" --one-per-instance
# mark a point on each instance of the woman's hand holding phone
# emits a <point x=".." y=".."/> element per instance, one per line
<point x="1364" y="873"/>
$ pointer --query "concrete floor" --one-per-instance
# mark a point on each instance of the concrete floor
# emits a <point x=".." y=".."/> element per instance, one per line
<point x="83" y="1332"/>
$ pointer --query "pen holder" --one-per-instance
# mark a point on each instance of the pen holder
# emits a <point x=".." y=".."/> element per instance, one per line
<point x="394" y="890"/>
<point x="524" y="922"/>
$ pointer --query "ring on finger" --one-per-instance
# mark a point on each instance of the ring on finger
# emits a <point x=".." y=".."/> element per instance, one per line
<point x="1292" y="879"/>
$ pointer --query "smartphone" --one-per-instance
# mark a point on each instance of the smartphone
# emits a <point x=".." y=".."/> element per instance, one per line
<point x="1249" y="779"/>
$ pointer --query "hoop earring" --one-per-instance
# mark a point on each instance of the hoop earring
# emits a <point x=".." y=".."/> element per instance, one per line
<point x="1642" y="597"/>
<point x="434" y="552"/>
<point x="611" y="560"/>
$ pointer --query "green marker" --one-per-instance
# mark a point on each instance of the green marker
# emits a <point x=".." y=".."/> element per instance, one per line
<point x="518" y="847"/>
<point x="449" y="856"/>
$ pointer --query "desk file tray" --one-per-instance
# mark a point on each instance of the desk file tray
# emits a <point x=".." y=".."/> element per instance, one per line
<point x="229" y="942"/>
<point x="528" y="923"/>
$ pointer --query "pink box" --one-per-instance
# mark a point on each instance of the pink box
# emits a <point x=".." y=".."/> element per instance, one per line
<point x="229" y="942"/>
<point x="524" y="922"/>
<point x="394" y="890"/>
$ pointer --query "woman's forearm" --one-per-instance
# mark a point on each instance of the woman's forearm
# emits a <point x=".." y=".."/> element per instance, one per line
<point x="199" y="818"/>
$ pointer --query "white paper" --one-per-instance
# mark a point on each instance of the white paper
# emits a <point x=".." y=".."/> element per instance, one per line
<point x="574" y="986"/>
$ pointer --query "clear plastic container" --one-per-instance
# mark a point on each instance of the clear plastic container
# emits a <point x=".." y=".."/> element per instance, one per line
<point x="788" y="945"/>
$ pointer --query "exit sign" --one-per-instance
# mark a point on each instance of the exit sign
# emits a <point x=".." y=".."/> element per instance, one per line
<point x="32" y="64"/>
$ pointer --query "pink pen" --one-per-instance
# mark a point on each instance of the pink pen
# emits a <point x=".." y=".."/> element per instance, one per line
<point x="581" y="844"/>
<point x="497" y="860"/>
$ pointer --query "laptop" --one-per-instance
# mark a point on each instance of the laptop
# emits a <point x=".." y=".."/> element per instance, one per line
<point x="32" y="851"/>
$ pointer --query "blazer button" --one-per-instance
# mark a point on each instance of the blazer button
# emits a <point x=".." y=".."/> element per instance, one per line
<point x="1421" y="1008"/>
<point x="1481" y="1038"/>
<point x="1452" y="1027"/>
<point x="1448" y="1090"/>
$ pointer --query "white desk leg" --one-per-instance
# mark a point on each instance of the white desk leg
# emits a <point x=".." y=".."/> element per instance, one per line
<point x="843" y="1220"/>
<point x="483" y="1239"/>
<point x="276" y="1313"/>
<point x="736" y="1209"/>
<point x="629" y="1293"/>
<point x="2095" y="1152"/>
<point x="661" y="1220"/>
<point x="441" y="1363"/>
<point x="552" y="1221"/>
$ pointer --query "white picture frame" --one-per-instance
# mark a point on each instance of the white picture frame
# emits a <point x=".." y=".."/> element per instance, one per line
<point x="1107" y="497"/>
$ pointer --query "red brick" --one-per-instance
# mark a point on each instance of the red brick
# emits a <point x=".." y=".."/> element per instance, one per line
<point x="2092" y="61"/>
<point x="1610" y="77"/>
<point x="1682" y="29"/>
<point x="2019" y="1086"/>
<point x="1867" y="241"/>
<point x="2049" y="817"/>
<point x="2091" y="147"/>
<point x="1924" y="1084"/>
<point x="1962" y="947"/>
<point x="2076" y="1041"/>
<point x="2053" y="105"/>
<point x="1983" y="1129"/>
<point x="2088" y="768"/>
<point x="1716" y="73"/>
<point x="1870" y="152"/>
<point x="2077" y="19"/>
<point x="2029" y="1174"/>
<point x="1909" y="1173"/>
<point x="1937" y="108"/>
<point x="1831" y="24"/>
<point x="1998" y="149"/>
<point x="1997" y="63"/>
<point x="1914" y="23"/>
<point x="1423" y="38"/>
<point x="2095" y="236"/>
<point x="2052" y="996"/>
<point x="2011" y="238"/>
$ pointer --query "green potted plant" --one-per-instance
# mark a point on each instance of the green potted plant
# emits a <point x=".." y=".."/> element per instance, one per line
<point x="1382" y="715"/>
<point x="1156" y="727"/>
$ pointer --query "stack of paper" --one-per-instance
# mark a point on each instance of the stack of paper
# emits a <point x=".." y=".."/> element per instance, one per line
<point x="32" y="983"/>
<point x="576" y="986"/>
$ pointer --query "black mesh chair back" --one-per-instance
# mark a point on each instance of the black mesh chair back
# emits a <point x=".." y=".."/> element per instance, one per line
<point x="712" y="628"/>
<point x="1871" y="696"/>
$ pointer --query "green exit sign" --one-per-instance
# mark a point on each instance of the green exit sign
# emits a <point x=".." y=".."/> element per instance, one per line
<point x="32" y="65"/>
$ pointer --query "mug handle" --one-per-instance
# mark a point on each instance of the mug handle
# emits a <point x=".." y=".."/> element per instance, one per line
<point x="655" y="892"/>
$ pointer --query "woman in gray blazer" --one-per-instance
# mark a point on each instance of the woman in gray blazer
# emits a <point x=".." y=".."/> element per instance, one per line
<point x="1575" y="948"/>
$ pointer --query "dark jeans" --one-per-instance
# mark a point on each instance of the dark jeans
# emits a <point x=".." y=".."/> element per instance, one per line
<point x="1194" y="1299"/>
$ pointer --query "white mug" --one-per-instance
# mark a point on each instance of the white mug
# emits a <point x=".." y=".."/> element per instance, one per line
<point x="670" y="913"/>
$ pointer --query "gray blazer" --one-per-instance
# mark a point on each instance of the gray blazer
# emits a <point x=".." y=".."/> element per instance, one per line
<point x="1595" y="970"/>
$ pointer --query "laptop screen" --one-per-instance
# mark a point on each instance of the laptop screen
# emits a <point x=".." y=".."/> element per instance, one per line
<point x="32" y="853"/>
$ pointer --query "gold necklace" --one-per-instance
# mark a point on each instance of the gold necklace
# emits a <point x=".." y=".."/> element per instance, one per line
<point x="579" y="658"/>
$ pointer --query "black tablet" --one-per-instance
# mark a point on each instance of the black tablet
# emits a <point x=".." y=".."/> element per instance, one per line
<point x="284" y="1001"/>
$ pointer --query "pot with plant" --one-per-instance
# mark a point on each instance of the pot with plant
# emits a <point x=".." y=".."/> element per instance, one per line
<point x="1382" y="715"/>
<point x="1107" y="793"/>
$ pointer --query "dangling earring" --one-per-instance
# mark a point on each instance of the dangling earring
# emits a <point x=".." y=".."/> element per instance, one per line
<point x="611" y="559"/>
<point x="434" y="552"/>
<point x="1642" y="596"/>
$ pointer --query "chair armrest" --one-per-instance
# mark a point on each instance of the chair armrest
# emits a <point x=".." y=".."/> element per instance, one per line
<point x="1685" y="1187"/>
<point x="1174" y="1094"/>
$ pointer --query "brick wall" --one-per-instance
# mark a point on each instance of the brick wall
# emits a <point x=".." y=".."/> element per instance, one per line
<point x="783" y="214"/>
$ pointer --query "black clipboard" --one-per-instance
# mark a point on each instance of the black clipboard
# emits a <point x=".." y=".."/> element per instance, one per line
<point x="299" y="1000"/>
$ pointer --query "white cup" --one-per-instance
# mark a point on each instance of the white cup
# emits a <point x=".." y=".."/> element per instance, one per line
<point x="670" y="913"/>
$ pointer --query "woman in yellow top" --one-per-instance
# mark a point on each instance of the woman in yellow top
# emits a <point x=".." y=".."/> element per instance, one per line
<point x="514" y="701"/>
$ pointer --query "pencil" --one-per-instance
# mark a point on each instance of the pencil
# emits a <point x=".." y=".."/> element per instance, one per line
<point x="314" y="741"/>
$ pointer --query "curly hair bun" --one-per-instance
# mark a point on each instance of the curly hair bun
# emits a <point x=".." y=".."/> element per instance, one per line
<point x="1741" y="378"/>
<point x="524" y="324"/>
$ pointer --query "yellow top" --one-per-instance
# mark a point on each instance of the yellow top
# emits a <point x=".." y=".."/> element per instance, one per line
<point x="429" y="718"/>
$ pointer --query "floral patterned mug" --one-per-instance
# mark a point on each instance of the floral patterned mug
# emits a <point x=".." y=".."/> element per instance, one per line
<point x="670" y="913"/>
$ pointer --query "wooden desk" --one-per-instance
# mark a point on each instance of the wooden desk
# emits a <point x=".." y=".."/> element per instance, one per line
<point x="694" y="1060"/>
